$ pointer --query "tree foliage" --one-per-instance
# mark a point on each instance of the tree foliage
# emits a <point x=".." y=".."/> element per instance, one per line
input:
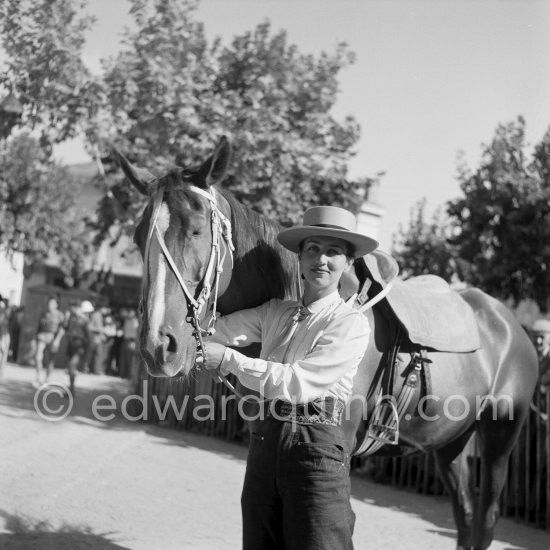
<point x="503" y="221"/>
<point x="497" y="235"/>
<point x="423" y="246"/>
<point x="43" y="41"/>
<point x="168" y="96"/>
<point x="38" y="214"/>
<point x="171" y="94"/>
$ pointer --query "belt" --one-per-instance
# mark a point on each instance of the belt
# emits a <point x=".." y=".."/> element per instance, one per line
<point x="319" y="411"/>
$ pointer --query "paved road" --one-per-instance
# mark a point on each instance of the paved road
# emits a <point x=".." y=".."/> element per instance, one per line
<point x="85" y="484"/>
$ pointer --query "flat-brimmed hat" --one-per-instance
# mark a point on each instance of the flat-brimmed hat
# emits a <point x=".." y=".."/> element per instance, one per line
<point x="87" y="306"/>
<point x="327" y="221"/>
<point x="541" y="325"/>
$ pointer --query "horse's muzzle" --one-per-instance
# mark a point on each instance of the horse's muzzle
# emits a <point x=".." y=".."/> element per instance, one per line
<point x="166" y="359"/>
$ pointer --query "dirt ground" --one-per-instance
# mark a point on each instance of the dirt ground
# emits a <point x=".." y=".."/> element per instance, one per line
<point x="81" y="483"/>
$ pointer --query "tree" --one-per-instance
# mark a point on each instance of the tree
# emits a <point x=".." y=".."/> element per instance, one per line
<point x="38" y="216"/>
<point x="497" y="235"/>
<point x="423" y="247"/>
<point x="44" y="70"/>
<point x="43" y="41"/>
<point x="171" y="95"/>
<point x="503" y="220"/>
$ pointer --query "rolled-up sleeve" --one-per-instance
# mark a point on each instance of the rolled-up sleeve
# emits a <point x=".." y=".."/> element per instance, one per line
<point x="339" y="349"/>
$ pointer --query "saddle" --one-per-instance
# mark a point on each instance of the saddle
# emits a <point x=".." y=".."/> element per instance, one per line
<point x="433" y="315"/>
<point x="430" y="316"/>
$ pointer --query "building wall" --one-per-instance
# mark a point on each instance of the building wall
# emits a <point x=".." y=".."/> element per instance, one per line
<point x="369" y="219"/>
<point x="11" y="277"/>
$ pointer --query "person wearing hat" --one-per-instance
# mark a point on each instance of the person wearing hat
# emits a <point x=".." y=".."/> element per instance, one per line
<point x="541" y="332"/>
<point x="78" y="337"/>
<point x="296" y="492"/>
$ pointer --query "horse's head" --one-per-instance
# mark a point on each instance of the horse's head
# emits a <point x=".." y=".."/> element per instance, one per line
<point x="184" y="237"/>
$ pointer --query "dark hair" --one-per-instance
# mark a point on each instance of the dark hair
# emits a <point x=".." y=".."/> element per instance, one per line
<point x="350" y="249"/>
<point x="53" y="297"/>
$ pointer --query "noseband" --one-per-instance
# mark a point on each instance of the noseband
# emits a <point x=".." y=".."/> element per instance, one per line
<point x="221" y="233"/>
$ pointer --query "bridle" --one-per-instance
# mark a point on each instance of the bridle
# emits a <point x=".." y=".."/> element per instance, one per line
<point x="221" y="235"/>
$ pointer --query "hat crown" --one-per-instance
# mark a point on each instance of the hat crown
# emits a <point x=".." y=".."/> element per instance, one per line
<point x="330" y="216"/>
<point x="329" y="221"/>
<point x="87" y="306"/>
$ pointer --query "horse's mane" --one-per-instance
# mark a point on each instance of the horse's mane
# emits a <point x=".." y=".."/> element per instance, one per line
<point x="258" y="252"/>
<point x="250" y="226"/>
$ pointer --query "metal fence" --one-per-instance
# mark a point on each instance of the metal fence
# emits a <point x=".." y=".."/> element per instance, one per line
<point x="202" y="406"/>
<point x="526" y="494"/>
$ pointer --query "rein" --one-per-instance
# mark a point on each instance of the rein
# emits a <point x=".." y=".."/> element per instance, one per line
<point x="221" y="233"/>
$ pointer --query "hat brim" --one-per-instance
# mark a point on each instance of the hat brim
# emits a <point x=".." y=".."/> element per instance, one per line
<point x="292" y="237"/>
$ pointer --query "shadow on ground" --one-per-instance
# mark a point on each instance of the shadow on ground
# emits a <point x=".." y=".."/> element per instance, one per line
<point x="433" y="509"/>
<point x="24" y="535"/>
<point x="437" y="511"/>
<point x="17" y="395"/>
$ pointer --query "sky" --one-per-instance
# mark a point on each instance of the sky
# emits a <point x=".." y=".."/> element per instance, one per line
<point x="431" y="78"/>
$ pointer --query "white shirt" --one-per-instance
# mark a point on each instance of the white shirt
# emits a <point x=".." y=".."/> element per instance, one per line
<point x="320" y="360"/>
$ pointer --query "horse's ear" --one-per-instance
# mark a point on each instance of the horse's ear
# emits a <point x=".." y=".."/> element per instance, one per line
<point x="214" y="169"/>
<point x="140" y="178"/>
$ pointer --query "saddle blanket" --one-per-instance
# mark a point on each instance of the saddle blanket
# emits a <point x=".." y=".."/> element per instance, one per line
<point x="434" y="315"/>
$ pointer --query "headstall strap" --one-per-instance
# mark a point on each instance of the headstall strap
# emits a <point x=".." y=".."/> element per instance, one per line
<point x="221" y="226"/>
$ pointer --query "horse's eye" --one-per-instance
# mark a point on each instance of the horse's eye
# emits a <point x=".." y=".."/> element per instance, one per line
<point x="196" y="233"/>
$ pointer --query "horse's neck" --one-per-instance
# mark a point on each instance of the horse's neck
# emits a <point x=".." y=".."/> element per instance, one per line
<point x="262" y="268"/>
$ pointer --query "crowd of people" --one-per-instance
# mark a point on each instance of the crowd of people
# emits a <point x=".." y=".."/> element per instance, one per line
<point x="95" y="340"/>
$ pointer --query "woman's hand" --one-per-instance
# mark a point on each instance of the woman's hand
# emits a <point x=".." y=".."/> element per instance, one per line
<point x="213" y="355"/>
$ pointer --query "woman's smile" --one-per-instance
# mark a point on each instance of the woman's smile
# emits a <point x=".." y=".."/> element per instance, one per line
<point x="322" y="262"/>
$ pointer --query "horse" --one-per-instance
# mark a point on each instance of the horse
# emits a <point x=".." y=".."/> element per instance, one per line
<point x="205" y="252"/>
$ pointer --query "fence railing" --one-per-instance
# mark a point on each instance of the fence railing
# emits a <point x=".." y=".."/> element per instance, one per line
<point x="212" y="409"/>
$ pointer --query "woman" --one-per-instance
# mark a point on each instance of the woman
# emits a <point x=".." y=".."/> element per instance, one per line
<point x="296" y="492"/>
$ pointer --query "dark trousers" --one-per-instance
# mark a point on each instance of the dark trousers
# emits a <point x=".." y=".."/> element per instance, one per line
<point x="296" y="493"/>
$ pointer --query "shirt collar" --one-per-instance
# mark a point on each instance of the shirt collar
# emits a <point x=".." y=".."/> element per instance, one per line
<point x="318" y="305"/>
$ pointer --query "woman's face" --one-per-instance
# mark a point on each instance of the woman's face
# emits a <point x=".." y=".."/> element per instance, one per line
<point x="323" y="260"/>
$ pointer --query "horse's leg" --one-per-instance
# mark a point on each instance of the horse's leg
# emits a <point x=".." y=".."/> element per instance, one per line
<point x="496" y="440"/>
<point x="455" y="472"/>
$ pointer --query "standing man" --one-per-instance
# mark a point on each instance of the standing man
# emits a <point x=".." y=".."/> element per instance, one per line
<point x="78" y="337"/>
<point x="48" y="337"/>
<point x="110" y="332"/>
<point x="541" y="330"/>
<point x="96" y="357"/>
<point x="4" y="334"/>
<point x="130" y="329"/>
